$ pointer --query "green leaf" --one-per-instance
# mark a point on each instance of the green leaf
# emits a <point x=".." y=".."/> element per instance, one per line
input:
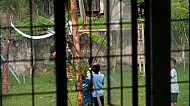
<point x="46" y="22"/>
<point x="96" y="38"/>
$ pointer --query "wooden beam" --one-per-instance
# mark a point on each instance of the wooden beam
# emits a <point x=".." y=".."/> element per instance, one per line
<point x="104" y="30"/>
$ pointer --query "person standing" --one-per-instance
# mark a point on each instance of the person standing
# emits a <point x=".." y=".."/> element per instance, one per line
<point x="174" y="83"/>
<point x="98" y="80"/>
<point x="87" y="86"/>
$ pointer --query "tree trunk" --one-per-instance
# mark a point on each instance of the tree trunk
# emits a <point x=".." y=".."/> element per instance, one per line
<point x="35" y="7"/>
<point x="6" y="70"/>
<point x="76" y="51"/>
<point x="82" y="11"/>
<point x="105" y="11"/>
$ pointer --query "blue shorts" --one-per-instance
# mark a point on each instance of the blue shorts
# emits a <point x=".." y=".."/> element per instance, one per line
<point x="174" y="97"/>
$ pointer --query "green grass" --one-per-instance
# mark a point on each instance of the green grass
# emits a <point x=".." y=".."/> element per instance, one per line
<point x="183" y="98"/>
<point x="99" y="23"/>
<point x="116" y="98"/>
<point x="21" y="94"/>
<point x="183" y="75"/>
<point x="47" y="85"/>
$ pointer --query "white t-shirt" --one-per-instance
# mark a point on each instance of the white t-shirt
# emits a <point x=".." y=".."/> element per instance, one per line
<point x="174" y="83"/>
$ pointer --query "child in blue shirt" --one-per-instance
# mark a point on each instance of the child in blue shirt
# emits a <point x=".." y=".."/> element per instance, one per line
<point x="99" y="81"/>
<point x="87" y="91"/>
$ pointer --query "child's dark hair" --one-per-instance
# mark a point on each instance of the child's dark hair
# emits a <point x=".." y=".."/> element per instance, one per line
<point x="96" y="68"/>
<point x="91" y="60"/>
<point x="173" y="60"/>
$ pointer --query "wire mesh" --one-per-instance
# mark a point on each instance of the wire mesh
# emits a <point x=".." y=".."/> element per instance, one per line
<point x="32" y="78"/>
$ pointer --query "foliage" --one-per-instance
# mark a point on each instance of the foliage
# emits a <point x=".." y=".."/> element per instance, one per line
<point x="51" y="65"/>
<point x="68" y="16"/>
<point x="45" y="22"/>
<point x="41" y="25"/>
<point x="52" y="43"/>
<point x="5" y="4"/>
<point x="17" y="8"/>
<point x="180" y="25"/>
<point x="96" y="38"/>
<point x="96" y="22"/>
<point x="179" y="11"/>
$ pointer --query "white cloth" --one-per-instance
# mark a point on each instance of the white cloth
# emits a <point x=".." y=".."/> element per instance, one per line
<point x="50" y="33"/>
<point x="69" y="24"/>
<point x="174" y="82"/>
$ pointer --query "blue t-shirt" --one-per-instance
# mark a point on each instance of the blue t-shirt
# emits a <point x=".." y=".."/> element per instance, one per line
<point x="99" y="80"/>
<point x="87" y="90"/>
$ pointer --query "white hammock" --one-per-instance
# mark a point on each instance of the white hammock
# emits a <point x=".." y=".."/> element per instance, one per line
<point x="50" y="32"/>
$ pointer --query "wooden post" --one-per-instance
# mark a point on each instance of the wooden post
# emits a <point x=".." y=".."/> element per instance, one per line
<point x="143" y="49"/>
<point x="76" y="51"/>
<point x="139" y="48"/>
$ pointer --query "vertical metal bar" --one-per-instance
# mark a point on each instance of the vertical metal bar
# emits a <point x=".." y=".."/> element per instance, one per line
<point x="189" y="60"/>
<point x="121" y="51"/>
<point x="134" y="73"/>
<point x="147" y="52"/>
<point x="31" y="41"/>
<point x="61" y="77"/>
<point x="158" y="54"/>
<point x="134" y="53"/>
<point x="0" y="71"/>
<point x="90" y="28"/>
<point x="108" y="49"/>
<point x="1" y="96"/>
